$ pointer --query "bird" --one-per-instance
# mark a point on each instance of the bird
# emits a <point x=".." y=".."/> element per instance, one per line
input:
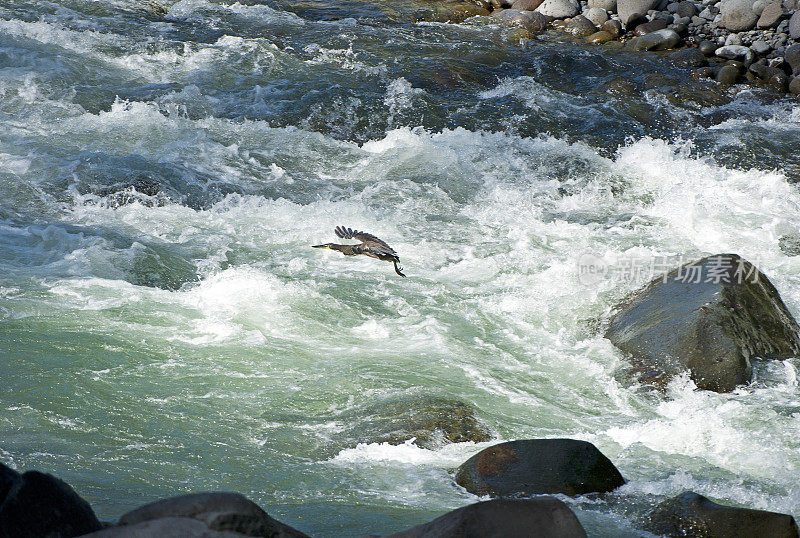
<point x="370" y="246"/>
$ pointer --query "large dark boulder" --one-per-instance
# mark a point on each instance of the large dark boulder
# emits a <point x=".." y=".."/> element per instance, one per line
<point x="710" y="317"/>
<point x="40" y="505"/>
<point x="543" y="517"/>
<point x="690" y="514"/>
<point x="8" y="477"/>
<point x="536" y="466"/>
<point x="168" y="527"/>
<point x="431" y="420"/>
<point x="219" y="511"/>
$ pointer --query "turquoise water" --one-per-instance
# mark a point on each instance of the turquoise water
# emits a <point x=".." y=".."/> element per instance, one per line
<point x="192" y="340"/>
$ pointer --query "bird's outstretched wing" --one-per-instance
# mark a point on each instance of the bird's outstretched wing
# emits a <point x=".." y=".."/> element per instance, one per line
<point x="368" y="241"/>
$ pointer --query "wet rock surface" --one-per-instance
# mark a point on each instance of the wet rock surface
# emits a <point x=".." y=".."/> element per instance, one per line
<point x="546" y="517"/>
<point x="711" y="317"/>
<point x="690" y="514"/>
<point x="38" y="504"/>
<point x="431" y="421"/>
<point x="217" y="511"/>
<point x="539" y="466"/>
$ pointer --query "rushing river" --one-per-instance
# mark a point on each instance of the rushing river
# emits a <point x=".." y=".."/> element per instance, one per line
<point x="187" y="338"/>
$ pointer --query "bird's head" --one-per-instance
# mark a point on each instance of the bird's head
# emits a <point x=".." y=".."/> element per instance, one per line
<point x="326" y="245"/>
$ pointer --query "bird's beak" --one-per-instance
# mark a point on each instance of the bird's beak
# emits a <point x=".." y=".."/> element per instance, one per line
<point x="319" y="246"/>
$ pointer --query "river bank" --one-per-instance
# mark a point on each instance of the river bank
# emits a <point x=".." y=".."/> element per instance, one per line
<point x="737" y="40"/>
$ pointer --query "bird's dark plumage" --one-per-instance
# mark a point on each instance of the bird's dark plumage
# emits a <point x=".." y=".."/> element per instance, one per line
<point x="370" y="246"/>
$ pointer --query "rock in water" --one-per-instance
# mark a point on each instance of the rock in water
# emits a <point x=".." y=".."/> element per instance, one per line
<point x="727" y="74"/>
<point x="710" y="317"/>
<point x="532" y="21"/>
<point x="580" y="26"/>
<point x="431" y="420"/>
<point x="536" y="466"/>
<point x="690" y="514"/>
<point x="219" y="511"/>
<point x="658" y="40"/>
<point x="794" y="86"/>
<point x="629" y="10"/>
<point x="738" y="15"/>
<point x="550" y="518"/>
<point x="39" y="504"/>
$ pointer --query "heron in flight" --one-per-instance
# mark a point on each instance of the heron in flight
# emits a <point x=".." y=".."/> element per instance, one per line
<point x="370" y="246"/>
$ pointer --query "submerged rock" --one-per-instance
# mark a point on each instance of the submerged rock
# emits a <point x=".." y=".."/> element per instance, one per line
<point x="537" y="466"/>
<point x="690" y="58"/>
<point x="690" y="514"/>
<point x="600" y="37"/>
<point x="431" y="421"/>
<point x="544" y="517"/>
<point x="38" y="504"/>
<point x="144" y="190"/>
<point x="217" y="511"/>
<point x="710" y="317"/>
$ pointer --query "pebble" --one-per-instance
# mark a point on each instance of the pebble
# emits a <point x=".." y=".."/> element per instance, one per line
<point x="727" y="74"/>
<point x="658" y="40"/>
<point x="559" y="9"/>
<point x="760" y="47"/>
<point x="792" y="57"/>
<point x="629" y="9"/>
<point x="794" y="86"/>
<point x="690" y="58"/>
<point x="703" y="72"/>
<point x="613" y="27"/>
<point x="686" y="9"/>
<point x="737" y="15"/>
<point x="649" y="27"/>
<point x="526" y="5"/>
<point x="707" y="48"/>
<point x="600" y="37"/>
<point x="580" y="26"/>
<point x="794" y="25"/>
<point x="771" y="14"/>
<point x="607" y="5"/>
<point x="596" y="15"/>
<point x="733" y="52"/>
<point x="733" y="39"/>
<point x="779" y="81"/>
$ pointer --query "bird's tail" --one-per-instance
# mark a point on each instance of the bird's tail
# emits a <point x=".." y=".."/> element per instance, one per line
<point x="397" y="268"/>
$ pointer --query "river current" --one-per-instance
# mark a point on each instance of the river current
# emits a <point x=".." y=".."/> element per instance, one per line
<point x="184" y="336"/>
